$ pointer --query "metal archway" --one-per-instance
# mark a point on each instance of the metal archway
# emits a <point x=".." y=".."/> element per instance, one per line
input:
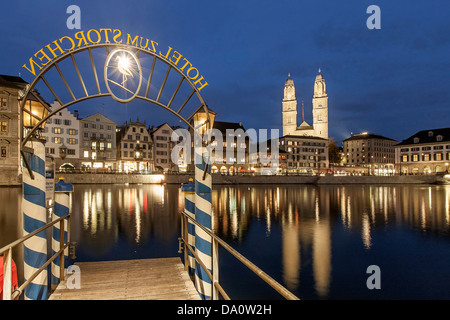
<point x="136" y="51"/>
<point x="34" y="211"/>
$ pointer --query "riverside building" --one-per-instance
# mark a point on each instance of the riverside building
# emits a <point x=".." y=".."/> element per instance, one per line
<point x="371" y="154"/>
<point x="425" y="152"/>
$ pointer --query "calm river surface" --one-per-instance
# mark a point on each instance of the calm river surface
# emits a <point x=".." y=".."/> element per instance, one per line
<point x="317" y="241"/>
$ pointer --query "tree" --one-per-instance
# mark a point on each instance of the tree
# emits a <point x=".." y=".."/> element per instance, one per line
<point x="334" y="155"/>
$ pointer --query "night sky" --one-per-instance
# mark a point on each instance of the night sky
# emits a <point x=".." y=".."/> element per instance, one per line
<point x="394" y="81"/>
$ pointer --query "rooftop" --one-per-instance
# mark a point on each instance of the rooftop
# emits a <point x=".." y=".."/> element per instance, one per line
<point x="428" y="136"/>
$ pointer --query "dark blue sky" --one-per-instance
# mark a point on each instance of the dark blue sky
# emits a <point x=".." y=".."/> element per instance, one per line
<point x="393" y="81"/>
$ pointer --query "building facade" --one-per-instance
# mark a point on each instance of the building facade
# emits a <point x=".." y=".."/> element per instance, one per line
<point x="134" y="148"/>
<point x="98" y="148"/>
<point x="234" y="157"/>
<point x="62" y="135"/>
<point x="10" y="87"/>
<point x="162" y="148"/>
<point x="305" y="154"/>
<point x="319" y="128"/>
<point x="375" y="154"/>
<point x="425" y="152"/>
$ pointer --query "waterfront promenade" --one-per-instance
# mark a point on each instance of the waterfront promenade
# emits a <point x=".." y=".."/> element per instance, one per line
<point x="248" y="179"/>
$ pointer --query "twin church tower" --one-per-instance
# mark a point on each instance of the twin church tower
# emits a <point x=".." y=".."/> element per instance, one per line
<point x="319" y="127"/>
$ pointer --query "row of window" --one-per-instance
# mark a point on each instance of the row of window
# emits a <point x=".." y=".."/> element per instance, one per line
<point x="304" y="143"/>
<point x="125" y="146"/>
<point x="66" y="122"/>
<point x="59" y="140"/>
<point x="52" y="151"/>
<point x="309" y="150"/>
<point x="94" y="126"/>
<point x="132" y="154"/>
<point x="138" y="137"/>
<point x="426" y="148"/>
<point x="426" y="157"/>
<point x="58" y="130"/>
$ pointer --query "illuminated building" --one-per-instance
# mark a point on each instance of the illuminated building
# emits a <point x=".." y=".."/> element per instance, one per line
<point x="425" y="152"/>
<point x="134" y="148"/>
<point x="98" y="148"/>
<point x="373" y="152"/>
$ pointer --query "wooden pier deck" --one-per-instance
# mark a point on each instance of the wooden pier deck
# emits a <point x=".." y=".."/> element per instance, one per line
<point x="141" y="279"/>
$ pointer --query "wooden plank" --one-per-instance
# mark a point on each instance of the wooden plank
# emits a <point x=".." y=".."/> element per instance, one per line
<point x="140" y="279"/>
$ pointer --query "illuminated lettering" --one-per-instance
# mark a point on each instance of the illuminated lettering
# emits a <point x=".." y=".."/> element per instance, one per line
<point x="99" y="37"/>
<point x="134" y="40"/>
<point x="58" y="47"/>
<point x="202" y="85"/>
<point x="177" y="59"/>
<point x="81" y="37"/>
<point x="44" y="56"/>
<point x="167" y="54"/>
<point x="106" y="34"/>
<point x="187" y="63"/>
<point x="146" y="45"/>
<point x="32" y="63"/>
<point x="71" y="40"/>
<point x="188" y="72"/>
<point x="153" y="46"/>
<point x="119" y="34"/>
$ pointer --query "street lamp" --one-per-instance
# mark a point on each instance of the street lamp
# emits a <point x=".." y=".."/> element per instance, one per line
<point x="203" y="123"/>
<point x="33" y="112"/>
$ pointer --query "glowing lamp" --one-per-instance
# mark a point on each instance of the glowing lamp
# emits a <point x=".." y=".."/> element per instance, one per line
<point x="201" y="121"/>
<point x="33" y="112"/>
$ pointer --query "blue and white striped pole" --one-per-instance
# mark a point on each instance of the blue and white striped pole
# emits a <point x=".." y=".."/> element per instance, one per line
<point x="203" y="209"/>
<point x="60" y="209"/>
<point x="35" y="217"/>
<point x="189" y="207"/>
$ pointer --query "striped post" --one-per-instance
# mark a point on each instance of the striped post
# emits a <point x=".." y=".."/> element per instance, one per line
<point x="203" y="209"/>
<point x="189" y="207"/>
<point x="61" y="208"/>
<point x="34" y="217"/>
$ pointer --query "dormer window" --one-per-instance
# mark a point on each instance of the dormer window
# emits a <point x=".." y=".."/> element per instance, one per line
<point x="439" y="138"/>
<point x="416" y="140"/>
<point x="430" y="133"/>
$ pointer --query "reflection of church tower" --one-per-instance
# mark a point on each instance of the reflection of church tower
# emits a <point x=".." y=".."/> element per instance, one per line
<point x="289" y="108"/>
<point x="320" y="107"/>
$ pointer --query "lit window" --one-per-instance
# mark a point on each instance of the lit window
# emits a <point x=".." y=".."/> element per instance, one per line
<point x="4" y="126"/>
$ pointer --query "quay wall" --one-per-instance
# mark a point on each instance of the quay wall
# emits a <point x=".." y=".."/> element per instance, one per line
<point x="235" y="180"/>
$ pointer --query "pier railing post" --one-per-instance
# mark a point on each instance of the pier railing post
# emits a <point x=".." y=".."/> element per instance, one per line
<point x="203" y="212"/>
<point x="189" y="227"/>
<point x="35" y="217"/>
<point x="60" y="231"/>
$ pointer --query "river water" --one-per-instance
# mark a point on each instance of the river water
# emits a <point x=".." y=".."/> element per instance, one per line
<point x="317" y="241"/>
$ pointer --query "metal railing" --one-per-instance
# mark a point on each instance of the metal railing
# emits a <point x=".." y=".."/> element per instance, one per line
<point x="8" y="294"/>
<point x="214" y="276"/>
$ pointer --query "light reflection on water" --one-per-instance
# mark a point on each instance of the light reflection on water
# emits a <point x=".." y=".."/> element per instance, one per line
<point x="316" y="241"/>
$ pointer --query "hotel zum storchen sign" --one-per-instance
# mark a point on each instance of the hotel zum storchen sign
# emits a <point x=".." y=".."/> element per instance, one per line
<point x="114" y="36"/>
